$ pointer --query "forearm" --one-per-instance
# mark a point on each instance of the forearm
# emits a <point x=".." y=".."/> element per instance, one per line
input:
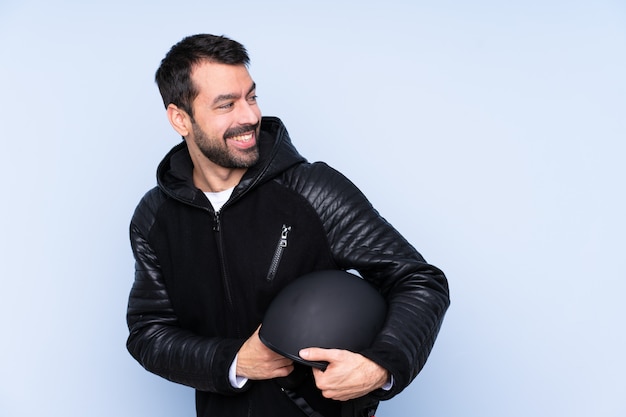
<point x="405" y="342"/>
<point x="185" y="358"/>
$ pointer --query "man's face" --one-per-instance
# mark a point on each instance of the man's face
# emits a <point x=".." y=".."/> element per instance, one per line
<point x="226" y="115"/>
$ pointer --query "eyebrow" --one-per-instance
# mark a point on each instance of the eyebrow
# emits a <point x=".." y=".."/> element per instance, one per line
<point x="225" y="97"/>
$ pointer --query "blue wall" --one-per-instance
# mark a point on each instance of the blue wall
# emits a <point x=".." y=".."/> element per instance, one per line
<point x="493" y="136"/>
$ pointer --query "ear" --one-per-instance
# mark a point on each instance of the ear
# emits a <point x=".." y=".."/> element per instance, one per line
<point x="179" y="119"/>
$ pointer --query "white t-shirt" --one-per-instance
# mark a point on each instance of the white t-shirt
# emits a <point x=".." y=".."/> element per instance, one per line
<point x="219" y="198"/>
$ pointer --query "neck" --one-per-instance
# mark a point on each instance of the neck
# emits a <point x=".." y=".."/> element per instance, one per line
<point x="213" y="181"/>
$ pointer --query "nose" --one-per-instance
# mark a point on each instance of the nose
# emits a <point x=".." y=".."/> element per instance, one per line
<point x="249" y="113"/>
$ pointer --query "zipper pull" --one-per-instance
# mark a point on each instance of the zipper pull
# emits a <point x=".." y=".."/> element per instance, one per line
<point x="283" y="236"/>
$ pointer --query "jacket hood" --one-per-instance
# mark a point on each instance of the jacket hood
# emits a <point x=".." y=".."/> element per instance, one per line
<point x="276" y="154"/>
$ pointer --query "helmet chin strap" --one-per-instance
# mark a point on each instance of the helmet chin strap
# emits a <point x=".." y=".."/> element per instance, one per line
<point x="294" y="380"/>
<point x="301" y="403"/>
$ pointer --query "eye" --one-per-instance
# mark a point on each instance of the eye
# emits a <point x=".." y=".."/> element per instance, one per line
<point x="226" y="106"/>
<point x="252" y="99"/>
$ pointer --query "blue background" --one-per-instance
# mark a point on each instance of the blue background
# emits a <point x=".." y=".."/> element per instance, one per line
<point x="492" y="134"/>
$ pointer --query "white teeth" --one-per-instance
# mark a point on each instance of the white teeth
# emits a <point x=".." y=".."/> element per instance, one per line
<point x="242" y="138"/>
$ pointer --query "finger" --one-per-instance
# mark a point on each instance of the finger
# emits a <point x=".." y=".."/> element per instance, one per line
<point x="318" y="374"/>
<point x="318" y="354"/>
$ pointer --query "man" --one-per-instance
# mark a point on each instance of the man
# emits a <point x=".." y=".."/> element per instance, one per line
<point x="207" y="265"/>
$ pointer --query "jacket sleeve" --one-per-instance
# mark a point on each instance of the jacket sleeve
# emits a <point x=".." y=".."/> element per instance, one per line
<point x="156" y="340"/>
<point x="417" y="293"/>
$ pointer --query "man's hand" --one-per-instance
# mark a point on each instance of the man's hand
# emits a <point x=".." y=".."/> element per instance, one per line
<point x="348" y="375"/>
<point x="257" y="361"/>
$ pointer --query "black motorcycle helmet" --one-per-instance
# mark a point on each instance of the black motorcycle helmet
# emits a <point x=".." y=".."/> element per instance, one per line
<point x="327" y="309"/>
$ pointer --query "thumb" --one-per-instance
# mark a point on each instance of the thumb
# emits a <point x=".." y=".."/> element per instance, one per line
<point x="318" y="357"/>
<point x="315" y="354"/>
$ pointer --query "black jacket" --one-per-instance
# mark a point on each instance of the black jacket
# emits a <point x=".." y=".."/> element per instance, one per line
<point x="204" y="279"/>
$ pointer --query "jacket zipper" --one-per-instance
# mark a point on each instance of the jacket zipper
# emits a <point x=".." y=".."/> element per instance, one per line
<point x="226" y="282"/>
<point x="278" y="254"/>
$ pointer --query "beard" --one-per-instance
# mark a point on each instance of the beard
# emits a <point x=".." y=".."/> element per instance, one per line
<point x="217" y="150"/>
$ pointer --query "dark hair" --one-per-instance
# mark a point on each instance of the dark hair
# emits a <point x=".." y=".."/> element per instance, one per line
<point x="174" y="74"/>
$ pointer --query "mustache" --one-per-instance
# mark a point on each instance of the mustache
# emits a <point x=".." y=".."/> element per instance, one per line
<point x="240" y="130"/>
